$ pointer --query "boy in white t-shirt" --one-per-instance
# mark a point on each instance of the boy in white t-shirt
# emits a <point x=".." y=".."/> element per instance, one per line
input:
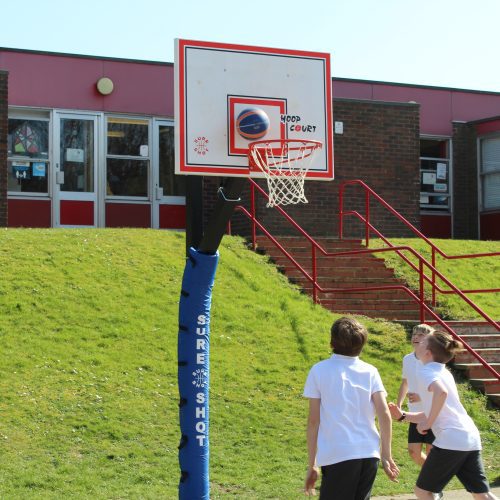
<point x="408" y="387"/>
<point x="457" y="448"/>
<point x="345" y="394"/>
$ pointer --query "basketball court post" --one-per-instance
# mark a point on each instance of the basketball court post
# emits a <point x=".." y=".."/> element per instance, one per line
<point x="194" y="211"/>
<point x="240" y="112"/>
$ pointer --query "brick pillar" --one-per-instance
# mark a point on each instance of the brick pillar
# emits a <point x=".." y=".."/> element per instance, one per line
<point x="465" y="188"/>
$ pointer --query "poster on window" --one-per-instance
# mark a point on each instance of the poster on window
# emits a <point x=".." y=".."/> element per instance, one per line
<point x="441" y="171"/>
<point x="39" y="169"/>
<point x="75" y="155"/>
<point x="21" y="170"/>
<point x="429" y="178"/>
<point x="440" y="187"/>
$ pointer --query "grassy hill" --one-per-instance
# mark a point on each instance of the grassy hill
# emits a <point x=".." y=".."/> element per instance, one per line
<point x="466" y="274"/>
<point x="88" y="370"/>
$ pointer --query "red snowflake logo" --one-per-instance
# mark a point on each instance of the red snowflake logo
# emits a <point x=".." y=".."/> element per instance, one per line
<point x="200" y="145"/>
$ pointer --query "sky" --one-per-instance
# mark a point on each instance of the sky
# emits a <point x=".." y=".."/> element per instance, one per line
<point x="445" y="43"/>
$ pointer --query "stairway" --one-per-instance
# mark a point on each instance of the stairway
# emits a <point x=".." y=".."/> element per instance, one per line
<point x="485" y="340"/>
<point x="367" y="271"/>
<point x="360" y="271"/>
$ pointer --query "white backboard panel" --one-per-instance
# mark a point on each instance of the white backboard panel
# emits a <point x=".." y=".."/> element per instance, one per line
<point x="215" y="82"/>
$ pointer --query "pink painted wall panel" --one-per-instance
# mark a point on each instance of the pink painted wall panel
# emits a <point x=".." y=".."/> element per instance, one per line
<point x="435" y="106"/>
<point x="68" y="82"/>
<point x="41" y="80"/>
<point x="488" y="127"/>
<point x="475" y="106"/>
<point x="140" y="88"/>
<point x="352" y="90"/>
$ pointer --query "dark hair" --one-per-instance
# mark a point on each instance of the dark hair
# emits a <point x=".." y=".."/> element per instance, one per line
<point x="348" y="336"/>
<point x="442" y="346"/>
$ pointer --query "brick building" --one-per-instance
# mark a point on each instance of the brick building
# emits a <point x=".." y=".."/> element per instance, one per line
<point x="88" y="141"/>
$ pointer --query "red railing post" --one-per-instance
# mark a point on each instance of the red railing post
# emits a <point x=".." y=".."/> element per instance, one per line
<point x="421" y="290"/>
<point x="314" y="274"/>
<point x="252" y="211"/>
<point x="367" y="217"/>
<point x="433" y="262"/>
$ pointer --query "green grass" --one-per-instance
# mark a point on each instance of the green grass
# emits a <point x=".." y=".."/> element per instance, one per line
<point x="466" y="274"/>
<point x="88" y="370"/>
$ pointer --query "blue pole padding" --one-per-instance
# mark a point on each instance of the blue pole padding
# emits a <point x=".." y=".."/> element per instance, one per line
<point x="194" y="373"/>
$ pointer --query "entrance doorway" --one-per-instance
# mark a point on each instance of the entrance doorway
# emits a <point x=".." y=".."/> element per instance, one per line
<point x="75" y="170"/>
<point x="169" y="193"/>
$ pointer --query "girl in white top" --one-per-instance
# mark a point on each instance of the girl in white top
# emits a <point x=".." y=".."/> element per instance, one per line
<point x="457" y="447"/>
<point x="409" y="387"/>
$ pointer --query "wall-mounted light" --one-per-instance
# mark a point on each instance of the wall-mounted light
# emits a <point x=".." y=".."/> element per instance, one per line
<point x="105" y="85"/>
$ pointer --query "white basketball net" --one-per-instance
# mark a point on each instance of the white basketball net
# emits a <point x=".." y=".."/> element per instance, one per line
<point x="284" y="164"/>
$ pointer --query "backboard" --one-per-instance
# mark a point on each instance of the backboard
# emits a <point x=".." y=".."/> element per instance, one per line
<point x="216" y="82"/>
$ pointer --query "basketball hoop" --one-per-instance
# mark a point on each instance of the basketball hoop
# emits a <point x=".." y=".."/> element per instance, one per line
<point x="284" y="163"/>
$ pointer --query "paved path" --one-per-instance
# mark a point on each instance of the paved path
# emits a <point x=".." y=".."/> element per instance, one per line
<point x="448" y="495"/>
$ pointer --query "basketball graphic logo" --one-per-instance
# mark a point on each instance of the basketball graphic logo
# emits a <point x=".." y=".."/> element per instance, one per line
<point x="252" y="124"/>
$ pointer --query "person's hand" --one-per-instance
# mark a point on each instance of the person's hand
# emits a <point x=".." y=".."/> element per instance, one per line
<point x="390" y="468"/>
<point x="423" y="427"/>
<point x="395" y="411"/>
<point x="413" y="397"/>
<point x="311" y="478"/>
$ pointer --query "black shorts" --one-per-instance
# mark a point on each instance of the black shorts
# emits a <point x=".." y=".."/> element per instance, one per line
<point x="351" y="479"/>
<point x="415" y="437"/>
<point x="441" y="465"/>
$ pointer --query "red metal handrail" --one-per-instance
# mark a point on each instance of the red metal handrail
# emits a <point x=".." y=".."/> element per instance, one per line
<point x="317" y="288"/>
<point x="434" y="248"/>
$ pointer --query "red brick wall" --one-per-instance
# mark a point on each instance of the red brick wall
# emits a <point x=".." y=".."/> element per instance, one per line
<point x="3" y="146"/>
<point x="380" y="145"/>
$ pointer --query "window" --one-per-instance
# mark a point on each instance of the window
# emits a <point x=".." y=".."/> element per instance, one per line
<point x="435" y="181"/>
<point x="77" y="160"/>
<point x="173" y="185"/>
<point x="490" y="173"/>
<point x="28" y="153"/>
<point x="127" y="161"/>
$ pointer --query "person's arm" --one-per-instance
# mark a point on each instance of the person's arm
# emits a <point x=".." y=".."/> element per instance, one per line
<point x="385" y="425"/>
<point x="439" y="395"/>
<point x="413" y="417"/>
<point x="403" y="389"/>
<point x="312" y="444"/>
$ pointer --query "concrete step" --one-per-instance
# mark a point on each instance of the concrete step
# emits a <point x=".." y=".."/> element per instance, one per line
<point x="398" y="295"/>
<point x="476" y="370"/>
<point x="366" y="272"/>
<point x="487" y="385"/>
<point x="482" y="341"/>
<point x="302" y="242"/>
<point x="390" y="297"/>
<point x="472" y="327"/>
<point x="491" y="355"/>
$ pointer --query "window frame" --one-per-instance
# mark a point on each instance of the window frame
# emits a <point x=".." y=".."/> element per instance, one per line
<point x="110" y="198"/>
<point x="483" y="175"/>
<point x="438" y="209"/>
<point x="43" y="115"/>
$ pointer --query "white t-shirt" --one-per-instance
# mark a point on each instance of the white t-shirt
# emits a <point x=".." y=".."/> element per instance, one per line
<point x="453" y="428"/>
<point x="410" y="364"/>
<point x="347" y="429"/>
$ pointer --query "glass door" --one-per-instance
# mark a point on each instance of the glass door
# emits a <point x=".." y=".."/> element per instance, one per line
<point x="169" y="193"/>
<point x="75" y="167"/>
